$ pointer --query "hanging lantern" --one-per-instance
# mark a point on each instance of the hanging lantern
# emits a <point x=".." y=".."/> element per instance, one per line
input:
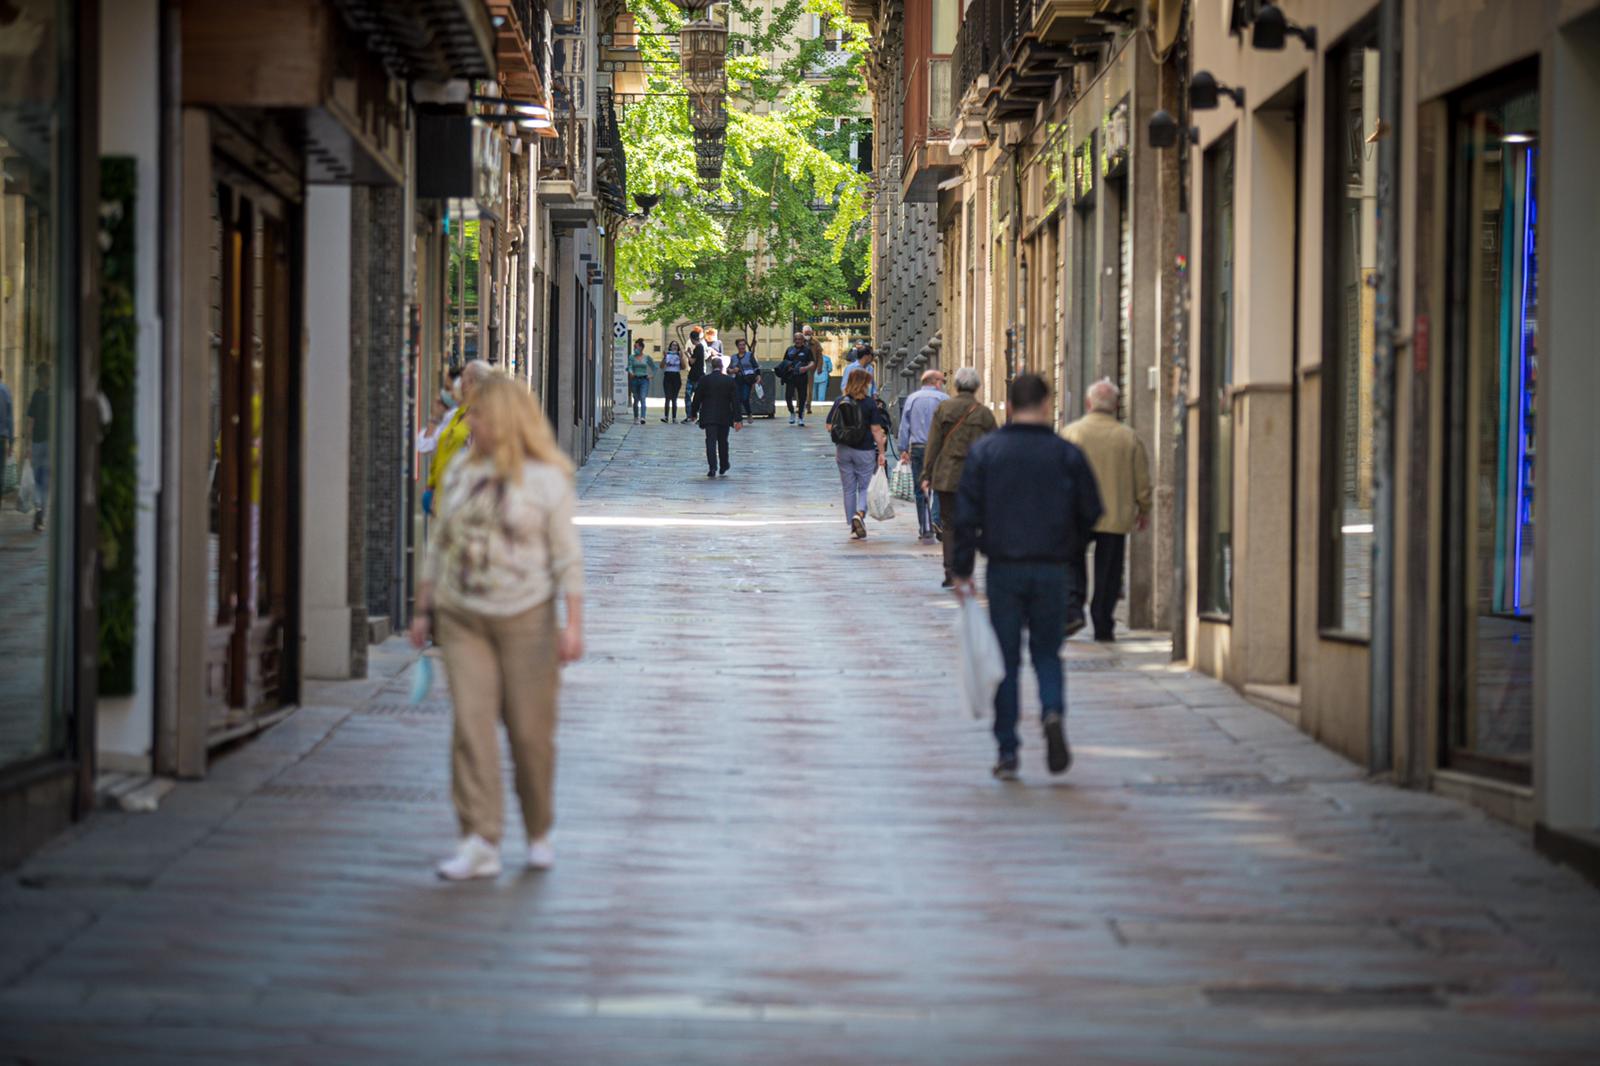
<point x="703" y="49"/>
<point x="708" y="112"/>
<point x="692" y="8"/>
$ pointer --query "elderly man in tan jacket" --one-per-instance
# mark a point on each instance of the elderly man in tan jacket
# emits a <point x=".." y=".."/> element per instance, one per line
<point x="1122" y="470"/>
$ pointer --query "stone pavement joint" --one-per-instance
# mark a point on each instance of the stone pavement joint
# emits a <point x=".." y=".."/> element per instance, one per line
<point x="779" y="843"/>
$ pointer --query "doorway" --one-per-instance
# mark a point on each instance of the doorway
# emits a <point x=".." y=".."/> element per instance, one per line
<point x="254" y="315"/>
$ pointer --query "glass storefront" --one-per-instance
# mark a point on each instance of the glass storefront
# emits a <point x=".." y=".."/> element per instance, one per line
<point x="1350" y="306"/>
<point x="1494" y="406"/>
<point x="36" y="349"/>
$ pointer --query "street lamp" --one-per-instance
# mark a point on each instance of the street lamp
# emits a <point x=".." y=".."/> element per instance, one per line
<point x="1165" y="130"/>
<point x="708" y="112"/>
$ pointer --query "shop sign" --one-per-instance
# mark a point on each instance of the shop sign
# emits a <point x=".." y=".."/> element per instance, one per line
<point x="1083" y="170"/>
<point x="1056" y="162"/>
<point x="1114" y="139"/>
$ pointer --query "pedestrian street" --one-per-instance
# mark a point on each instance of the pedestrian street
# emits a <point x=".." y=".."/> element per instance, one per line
<point x="780" y="842"/>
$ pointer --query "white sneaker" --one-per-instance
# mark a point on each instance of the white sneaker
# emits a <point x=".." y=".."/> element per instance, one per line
<point x="541" y="855"/>
<point x="476" y="857"/>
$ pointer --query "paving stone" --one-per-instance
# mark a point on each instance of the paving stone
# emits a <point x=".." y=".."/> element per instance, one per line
<point x="779" y="843"/>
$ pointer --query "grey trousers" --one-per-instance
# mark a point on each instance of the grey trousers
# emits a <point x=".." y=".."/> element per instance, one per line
<point x="856" y="467"/>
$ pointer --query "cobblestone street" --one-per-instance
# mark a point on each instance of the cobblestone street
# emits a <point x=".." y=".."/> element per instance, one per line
<point x="779" y="842"/>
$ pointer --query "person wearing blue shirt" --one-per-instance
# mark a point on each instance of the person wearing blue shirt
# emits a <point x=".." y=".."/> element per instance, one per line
<point x="915" y="419"/>
<point x="746" y="372"/>
<point x="824" y="371"/>
<point x="1028" y="500"/>
<point x="862" y="361"/>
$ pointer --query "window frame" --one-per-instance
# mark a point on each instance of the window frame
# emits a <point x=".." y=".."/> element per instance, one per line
<point x="1208" y="606"/>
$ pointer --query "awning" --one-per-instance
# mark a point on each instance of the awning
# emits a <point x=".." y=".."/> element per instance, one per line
<point x="434" y="40"/>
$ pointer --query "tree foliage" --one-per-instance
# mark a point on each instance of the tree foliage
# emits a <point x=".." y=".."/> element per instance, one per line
<point x="782" y="233"/>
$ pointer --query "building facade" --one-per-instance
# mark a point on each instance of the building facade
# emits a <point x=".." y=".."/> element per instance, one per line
<point x="1390" y="443"/>
<point x="228" y="236"/>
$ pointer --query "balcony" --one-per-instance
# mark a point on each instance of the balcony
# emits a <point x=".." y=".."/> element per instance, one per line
<point x="1032" y="46"/>
<point x="520" y="48"/>
<point x="927" y="107"/>
<point x="610" y="161"/>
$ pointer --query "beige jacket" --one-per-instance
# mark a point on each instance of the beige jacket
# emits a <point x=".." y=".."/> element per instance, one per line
<point x="498" y="548"/>
<point x="1121" y="469"/>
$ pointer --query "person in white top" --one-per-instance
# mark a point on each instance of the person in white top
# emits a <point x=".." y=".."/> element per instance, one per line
<point x="503" y="552"/>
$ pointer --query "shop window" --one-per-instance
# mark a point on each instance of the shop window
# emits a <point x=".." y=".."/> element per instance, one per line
<point x="1494" y="374"/>
<point x="1350" y="248"/>
<point x="1216" y="382"/>
<point x="37" y="344"/>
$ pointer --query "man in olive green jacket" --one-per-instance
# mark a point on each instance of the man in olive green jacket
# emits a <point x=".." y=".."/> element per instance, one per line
<point x="957" y="422"/>
<point x="1122" y="471"/>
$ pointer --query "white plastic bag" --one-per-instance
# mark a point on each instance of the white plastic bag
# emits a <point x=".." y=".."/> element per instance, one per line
<point x="761" y="391"/>
<point x="880" y="501"/>
<point x="982" y="666"/>
<point x="27" y="501"/>
<point x="900" y="481"/>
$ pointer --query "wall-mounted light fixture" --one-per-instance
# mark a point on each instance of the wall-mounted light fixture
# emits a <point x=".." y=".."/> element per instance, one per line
<point x="1205" y="92"/>
<point x="1272" y="28"/>
<point x="1165" y="132"/>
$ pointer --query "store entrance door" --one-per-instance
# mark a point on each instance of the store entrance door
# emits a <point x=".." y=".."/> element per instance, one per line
<point x="252" y="306"/>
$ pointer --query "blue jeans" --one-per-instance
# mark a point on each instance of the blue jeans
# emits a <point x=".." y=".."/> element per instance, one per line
<point x="688" y="396"/>
<point x="638" y="389"/>
<point x="856" y="467"/>
<point x="1031" y="596"/>
<point x="746" y="385"/>
<point x="927" y="502"/>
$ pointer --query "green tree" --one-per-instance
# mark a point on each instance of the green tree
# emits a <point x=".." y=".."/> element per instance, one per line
<point x="781" y="234"/>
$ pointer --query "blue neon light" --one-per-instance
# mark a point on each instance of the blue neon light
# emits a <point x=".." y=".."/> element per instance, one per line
<point x="1530" y="264"/>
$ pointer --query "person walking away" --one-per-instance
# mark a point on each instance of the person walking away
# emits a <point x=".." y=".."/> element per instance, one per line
<point x="453" y="433"/>
<point x="716" y="406"/>
<point x="505" y="548"/>
<point x="957" y="423"/>
<point x="1028" y="501"/>
<point x="1122" y="475"/>
<point x="746" y="372"/>
<point x="639" y="368"/>
<point x="916" y="416"/>
<point x="864" y="361"/>
<point x="39" y="445"/>
<point x="859" y="428"/>
<point x="7" y="426"/>
<point x="671" y="380"/>
<point x="697" y="370"/>
<point x="799" y="360"/>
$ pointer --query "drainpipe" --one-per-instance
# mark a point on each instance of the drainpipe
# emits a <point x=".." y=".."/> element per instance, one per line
<point x="1380" y="745"/>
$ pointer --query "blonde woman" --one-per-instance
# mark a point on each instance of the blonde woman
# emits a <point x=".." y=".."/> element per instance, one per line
<point x="504" y="547"/>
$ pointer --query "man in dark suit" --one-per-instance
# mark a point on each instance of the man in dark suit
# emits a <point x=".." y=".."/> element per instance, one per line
<point x="716" y="405"/>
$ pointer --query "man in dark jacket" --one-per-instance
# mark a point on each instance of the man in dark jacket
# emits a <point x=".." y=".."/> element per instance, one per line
<point x="1029" y="502"/>
<point x="957" y="423"/>
<point x="716" y="405"/>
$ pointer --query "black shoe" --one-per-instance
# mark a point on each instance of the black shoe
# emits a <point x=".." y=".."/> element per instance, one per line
<point x="1006" y="768"/>
<point x="1075" y="625"/>
<point x="663" y="421"/>
<point x="948" y="582"/>
<point x="38" y="520"/>
<point x="1058" y="753"/>
<point x="711" y="473"/>
<point x="1105" y="638"/>
<point x="722" y="473"/>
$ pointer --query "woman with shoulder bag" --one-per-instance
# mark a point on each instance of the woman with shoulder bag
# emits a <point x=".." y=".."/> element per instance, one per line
<point x="502" y="549"/>
<point x="859" y="428"/>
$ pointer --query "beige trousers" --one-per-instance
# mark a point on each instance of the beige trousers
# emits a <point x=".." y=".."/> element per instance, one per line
<point x="502" y="668"/>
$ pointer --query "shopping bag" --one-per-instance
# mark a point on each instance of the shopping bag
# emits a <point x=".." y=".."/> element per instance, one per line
<point x="880" y="501"/>
<point x="422" y="680"/>
<point x="761" y="391"/>
<point x="982" y="666"/>
<point x="27" y="499"/>
<point x="901" y="482"/>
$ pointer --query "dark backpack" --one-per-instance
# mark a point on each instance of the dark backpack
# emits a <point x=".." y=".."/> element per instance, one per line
<point x="849" y="425"/>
